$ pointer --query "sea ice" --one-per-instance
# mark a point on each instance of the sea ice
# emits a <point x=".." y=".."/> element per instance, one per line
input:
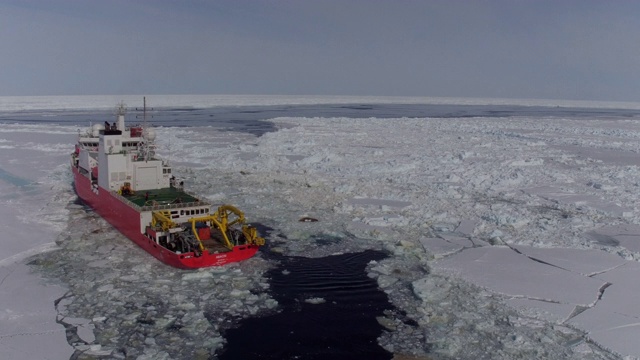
<point x="436" y="194"/>
<point x="624" y="235"/>
<point x="439" y="247"/>
<point x="585" y="262"/>
<point x="506" y="272"/>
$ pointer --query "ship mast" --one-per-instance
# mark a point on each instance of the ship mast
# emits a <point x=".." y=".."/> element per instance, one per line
<point x="120" y="111"/>
<point x="144" y="112"/>
<point x="148" y="147"/>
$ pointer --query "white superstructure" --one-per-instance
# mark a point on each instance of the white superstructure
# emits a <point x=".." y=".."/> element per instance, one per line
<point x="115" y="155"/>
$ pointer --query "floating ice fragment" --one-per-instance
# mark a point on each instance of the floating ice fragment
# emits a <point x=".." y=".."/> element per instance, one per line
<point x="85" y="332"/>
<point x="466" y="227"/>
<point x="457" y="240"/>
<point x="271" y="303"/>
<point x="386" y="322"/>
<point x="198" y="275"/>
<point x="590" y="201"/>
<point x="187" y="306"/>
<point x="381" y="268"/>
<point x="164" y="322"/>
<point x="84" y="328"/>
<point x="585" y="262"/>
<point x="425" y="288"/>
<point x="368" y="228"/>
<point x="104" y="288"/>
<point x="439" y="247"/>
<point x="97" y="351"/>
<point x="384" y="281"/>
<point x="504" y="271"/>
<point x="104" y="263"/>
<point x="240" y="293"/>
<point x="215" y="343"/>
<point x="610" y="330"/>
<point x="442" y="227"/>
<point x="154" y="354"/>
<point x="627" y="236"/>
<point x="549" y="311"/>
<point x="315" y="300"/>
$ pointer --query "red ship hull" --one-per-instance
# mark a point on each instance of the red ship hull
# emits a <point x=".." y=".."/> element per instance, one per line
<point x="127" y="220"/>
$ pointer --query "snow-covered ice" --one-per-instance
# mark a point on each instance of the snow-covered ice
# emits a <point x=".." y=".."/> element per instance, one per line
<point x="33" y="184"/>
<point x="508" y="237"/>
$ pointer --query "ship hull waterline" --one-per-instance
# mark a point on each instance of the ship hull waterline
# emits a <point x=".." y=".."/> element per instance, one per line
<point x="127" y="221"/>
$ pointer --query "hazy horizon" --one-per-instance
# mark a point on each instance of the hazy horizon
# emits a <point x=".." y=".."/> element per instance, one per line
<point x="193" y="101"/>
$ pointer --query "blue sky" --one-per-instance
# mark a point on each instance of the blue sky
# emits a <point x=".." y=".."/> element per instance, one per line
<point x="585" y="50"/>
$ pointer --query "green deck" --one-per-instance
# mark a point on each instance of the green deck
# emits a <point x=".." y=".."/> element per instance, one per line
<point x="166" y="196"/>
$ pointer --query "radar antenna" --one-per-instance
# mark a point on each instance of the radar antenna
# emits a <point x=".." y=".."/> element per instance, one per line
<point x="121" y="109"/>
<point x="148" y="147"/>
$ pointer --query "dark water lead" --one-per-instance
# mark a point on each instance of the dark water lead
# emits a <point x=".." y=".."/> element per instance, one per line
<point x="344" y="326"/>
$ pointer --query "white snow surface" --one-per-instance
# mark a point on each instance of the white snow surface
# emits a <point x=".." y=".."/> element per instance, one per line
<point x="508" y="237"/>
<point x="34" y="189"/>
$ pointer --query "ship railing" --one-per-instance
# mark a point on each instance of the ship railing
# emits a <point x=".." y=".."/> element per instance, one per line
<point x="127" y="201"/>
<point x="159" y="206"/>
<point x="173" y="206"/>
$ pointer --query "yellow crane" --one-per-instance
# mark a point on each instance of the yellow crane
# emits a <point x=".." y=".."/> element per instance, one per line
<point x="220" y="220"/>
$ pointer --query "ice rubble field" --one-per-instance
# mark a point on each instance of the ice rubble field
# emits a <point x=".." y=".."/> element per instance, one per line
<point x="509" y="238"/>
<point x="527" y="214"/>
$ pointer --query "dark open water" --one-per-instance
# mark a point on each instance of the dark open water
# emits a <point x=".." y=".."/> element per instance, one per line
<point x="342" y="325"/>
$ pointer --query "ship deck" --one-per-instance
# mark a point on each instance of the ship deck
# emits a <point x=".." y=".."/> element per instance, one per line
<point x="166" y="196"/>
